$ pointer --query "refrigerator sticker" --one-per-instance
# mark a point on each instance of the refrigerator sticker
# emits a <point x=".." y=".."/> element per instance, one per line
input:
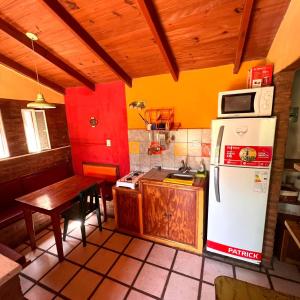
<point x="255" y="156"/>
<point x="260" y="181"/>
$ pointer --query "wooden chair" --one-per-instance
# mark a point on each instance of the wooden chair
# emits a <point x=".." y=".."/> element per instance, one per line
<point x="87" y="202"/>
<point x="107" y="172"/>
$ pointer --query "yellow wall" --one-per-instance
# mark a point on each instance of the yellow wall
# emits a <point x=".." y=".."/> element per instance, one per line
<point x="18" y="87"/>
<point x="194" y="96"/>
<point x="285" y="48"/>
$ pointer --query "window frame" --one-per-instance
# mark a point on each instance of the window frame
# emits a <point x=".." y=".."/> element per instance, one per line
<point x="3" y="140"/>
<point x="34" y="123"/>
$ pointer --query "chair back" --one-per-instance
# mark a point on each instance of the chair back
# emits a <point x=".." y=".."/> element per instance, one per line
<point x="89" y="200"/>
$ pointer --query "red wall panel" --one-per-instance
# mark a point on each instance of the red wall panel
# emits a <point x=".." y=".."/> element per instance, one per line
<point x="108" y="105"/>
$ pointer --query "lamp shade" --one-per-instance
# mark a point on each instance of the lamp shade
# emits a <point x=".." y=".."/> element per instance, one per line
<point x="40" y="103"/>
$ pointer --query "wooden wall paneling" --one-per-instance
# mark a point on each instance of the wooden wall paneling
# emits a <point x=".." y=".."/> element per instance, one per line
<point x="282" y="101"/>
<point x="71" y="22"/>
<point x="29" y="73"/>
<point x="159" y="35"/>
<point x="42" y="51"/>
<point x="182" y="216"/>
<point x="245" y="21"/>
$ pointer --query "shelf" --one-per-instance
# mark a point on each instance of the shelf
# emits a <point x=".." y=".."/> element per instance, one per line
<point x="290" y="202"/>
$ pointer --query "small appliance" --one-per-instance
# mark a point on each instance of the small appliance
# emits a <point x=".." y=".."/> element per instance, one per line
<point x="256" y="102"/>
<point x="130" y="180"/>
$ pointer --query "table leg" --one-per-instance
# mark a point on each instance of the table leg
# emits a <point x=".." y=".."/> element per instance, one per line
<point x="29" y="226"/>
<point x="284" y="245"/>
<point x="57" y="234"/>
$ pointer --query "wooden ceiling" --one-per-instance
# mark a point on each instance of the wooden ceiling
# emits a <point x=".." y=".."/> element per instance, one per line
<point x="135" y="37"/>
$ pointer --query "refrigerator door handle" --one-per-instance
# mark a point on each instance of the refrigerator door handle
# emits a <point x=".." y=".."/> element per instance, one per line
<point x="216" y="182"/>
<point x="218" y="145"/>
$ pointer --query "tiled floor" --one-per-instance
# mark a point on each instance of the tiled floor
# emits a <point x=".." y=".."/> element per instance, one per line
<point x="117" y="266"/>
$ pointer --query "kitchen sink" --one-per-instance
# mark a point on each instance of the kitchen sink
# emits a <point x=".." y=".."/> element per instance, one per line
<point x="181" y="176"/>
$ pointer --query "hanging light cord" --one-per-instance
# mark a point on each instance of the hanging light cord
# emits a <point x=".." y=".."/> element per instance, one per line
<point x="36" y="70"/>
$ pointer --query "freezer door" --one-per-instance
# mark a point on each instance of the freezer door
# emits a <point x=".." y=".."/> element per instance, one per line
<point x="246" y="142"/>
<point x="236" y="221"/>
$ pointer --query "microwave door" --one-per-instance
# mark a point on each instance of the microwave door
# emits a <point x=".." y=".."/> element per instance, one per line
<point x="241" y="103"/>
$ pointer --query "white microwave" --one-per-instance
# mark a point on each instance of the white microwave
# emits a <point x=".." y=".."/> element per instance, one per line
<point x="256" y="102"/>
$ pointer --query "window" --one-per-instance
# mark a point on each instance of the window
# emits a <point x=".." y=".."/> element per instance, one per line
<point x="36" y="130"/>
<point x="3" y="143"/>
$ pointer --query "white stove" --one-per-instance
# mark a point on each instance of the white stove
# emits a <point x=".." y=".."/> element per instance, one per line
<point x="130" y="180"/>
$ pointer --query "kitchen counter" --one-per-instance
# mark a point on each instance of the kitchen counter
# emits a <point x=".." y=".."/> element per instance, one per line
<point x="159" y="175"/>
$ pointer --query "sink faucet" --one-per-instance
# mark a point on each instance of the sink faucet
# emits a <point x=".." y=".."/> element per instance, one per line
<point x="184" y="166"/>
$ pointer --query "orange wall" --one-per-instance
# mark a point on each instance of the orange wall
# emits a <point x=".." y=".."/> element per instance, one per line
<point x="19" y="87"/>
<point x="285" y="48"/>
<point x="194" y="96"/>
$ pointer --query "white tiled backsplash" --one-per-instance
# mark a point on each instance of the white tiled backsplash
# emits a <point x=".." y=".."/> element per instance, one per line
<point x="194" y="143"/>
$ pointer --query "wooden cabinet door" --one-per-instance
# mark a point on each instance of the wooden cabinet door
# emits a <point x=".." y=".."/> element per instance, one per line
<point x="182" y="216"/>
<point x="155" y="209"/>
<point x="128" y="210"/>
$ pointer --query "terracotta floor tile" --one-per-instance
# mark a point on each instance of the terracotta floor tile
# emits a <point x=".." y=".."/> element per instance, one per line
<point x="286" y="286"/>
<point x="46" y="241"/>
<point x="25" y="284"/>
<point x="252" y="277"/>
<point x="151" y="280"/>
<point x="110" y="224"/>
<point x="41" y="233"/>
<point x="99" y="237"/>
<point x="77" y="231"/>
<point x="161" y="255"/>
<point x="38" y="293"/>
<point x="31" y="254"/>
<point x="92" y="220"/>
<point x="81" y="254"/>
<point x="285" y="270"/>
<point x="138" y="248"/>
<point x="125" y="269"/>
<point x="189" y="264"/>
<point x="208" y="292"/>
<point x="134" y="295"/>
<point x="110" y="290"/>
<point x="181" y="287"/>
<point x="117" y="242"/>
<point x="40" y="266"/>
<point x="60" y="275"/>
<point x="82" y="285"/>
<point x="213" y="268"/>
<point x="68" y="245"/>
<point x="102" y="260"/>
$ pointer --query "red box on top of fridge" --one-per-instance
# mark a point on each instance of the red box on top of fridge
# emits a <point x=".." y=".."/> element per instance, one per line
<point x="260" y="76"/>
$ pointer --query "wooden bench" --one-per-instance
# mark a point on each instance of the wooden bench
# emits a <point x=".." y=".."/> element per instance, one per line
<point x="291" y="230"/>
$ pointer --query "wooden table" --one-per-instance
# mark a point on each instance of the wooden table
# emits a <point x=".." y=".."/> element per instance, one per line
<point x="52" y="200"/>
<point x="292" y="229"/>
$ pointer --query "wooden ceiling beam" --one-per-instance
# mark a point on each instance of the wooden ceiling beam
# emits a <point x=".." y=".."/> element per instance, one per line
<point x="153" y="20"/>
<point x="244" y="27"/>
<point x="88" y="40"/>
<point x="43" y="52"/>
<point x="29" y="73"/>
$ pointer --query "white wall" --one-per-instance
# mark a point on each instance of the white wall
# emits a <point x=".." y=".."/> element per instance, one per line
<point x="293" y="142"/>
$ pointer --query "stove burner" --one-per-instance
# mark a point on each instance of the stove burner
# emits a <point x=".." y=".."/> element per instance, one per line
<point x="136" y="174"/>
<point x="129" y="179"/>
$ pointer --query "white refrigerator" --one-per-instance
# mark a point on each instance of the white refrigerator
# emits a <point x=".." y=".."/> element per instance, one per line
<point x="240" y="169"/>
